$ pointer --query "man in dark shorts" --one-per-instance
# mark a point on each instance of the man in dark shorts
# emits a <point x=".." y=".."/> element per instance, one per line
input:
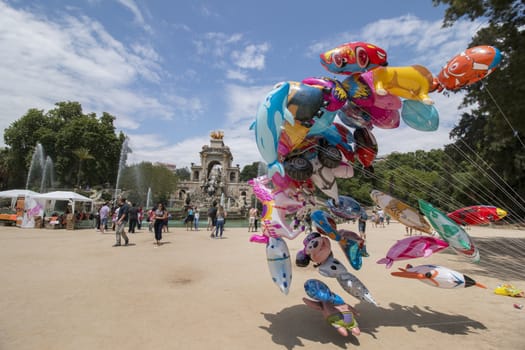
<point x="122" y="220"/>
<point x="362" y="231"/>
<point x="212" y="214"/>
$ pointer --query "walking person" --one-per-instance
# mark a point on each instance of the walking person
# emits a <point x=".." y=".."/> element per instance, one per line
<point x="189" y="219"/>
<point x="219" y="226"/>
<point x="212" y="212"/>
<point x="256" y="222"/>
<point x="96" y="216"/>
<point x="104" y="215"/>
<point x="166" y="223"/>
<point x="141" y="217"/>
<point x="251" y="219"/>
<point x="133" y="218"/>
<point x="212" y="217"/>
<point x="122" y="220"/>
<point x="196" y="215"/>
<point x="151" y="219"/>
<point x="381" y="215"/>
<point x="161" y="215"/>
<point x="114" y="215"/>
<point x="362" y="231"/>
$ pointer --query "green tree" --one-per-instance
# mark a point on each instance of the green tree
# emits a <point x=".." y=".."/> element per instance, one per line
<point x="61" y="131"/>
<point x="249" y="171"/>
<point x="21" y="138"/>
<point x="491" y="138"/>
<point x="183" y="174"/>
<point x="82" y="154"/>
<point x="138" y="178"/>
<point x="4" y="169"/>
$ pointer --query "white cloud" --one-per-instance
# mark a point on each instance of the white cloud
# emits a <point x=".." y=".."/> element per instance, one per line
<point x="242" y="102"/>
<point x="251" y="57"/>
<point x="223" y="51"/>
<point x="139" y="18"/>
<point x="216" y="44"/>
<point x="428" y="43"/>
<point x="236" y="75"/>
<point x="154" y="148"/>
<point x="207" y="12"/>
<point x="242" y="105"/>
<point x="76" y="59"/>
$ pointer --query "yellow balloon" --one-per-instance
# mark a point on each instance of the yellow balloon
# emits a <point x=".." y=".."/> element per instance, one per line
<point x="410" y="82"/>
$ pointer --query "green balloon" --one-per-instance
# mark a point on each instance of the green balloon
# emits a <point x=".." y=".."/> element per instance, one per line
<point x="449" y="231"/>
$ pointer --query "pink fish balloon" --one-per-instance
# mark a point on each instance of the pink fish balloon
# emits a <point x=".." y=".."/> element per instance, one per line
<point x="411" y="248"/>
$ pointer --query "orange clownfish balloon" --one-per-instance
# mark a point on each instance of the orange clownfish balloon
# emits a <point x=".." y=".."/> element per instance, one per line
<point x="467" y="68"/>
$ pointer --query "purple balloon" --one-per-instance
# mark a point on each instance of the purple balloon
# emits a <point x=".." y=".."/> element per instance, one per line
<point x="411" y="248"/>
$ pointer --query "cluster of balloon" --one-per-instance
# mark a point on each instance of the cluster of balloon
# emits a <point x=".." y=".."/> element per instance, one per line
<point x="307" y="148"/>
<point x="451" y="234"/>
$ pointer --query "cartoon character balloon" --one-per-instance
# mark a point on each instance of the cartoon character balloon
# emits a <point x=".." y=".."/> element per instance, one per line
<point x="353" y="57"/>
<point x="468" y="67"/>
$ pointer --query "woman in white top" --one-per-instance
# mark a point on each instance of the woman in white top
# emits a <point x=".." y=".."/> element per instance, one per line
<point x="196" y="216"/>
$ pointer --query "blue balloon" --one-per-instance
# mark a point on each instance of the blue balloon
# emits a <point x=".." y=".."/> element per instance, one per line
<point x="319" y="291"/>
<point x="346" y="207"/>
<point x="271" y="116"/>
<point x="353" y="253"/>
<point x="420" y="116"/>
<point x="354" y="117"/>
<point x="321" y="124"/>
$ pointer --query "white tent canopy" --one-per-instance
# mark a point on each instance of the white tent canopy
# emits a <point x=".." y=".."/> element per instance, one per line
<point x="17" y="193"/>
<point x="14" y="194"/>
<point x="64" y="196"/>
<point x="72" y="197"/>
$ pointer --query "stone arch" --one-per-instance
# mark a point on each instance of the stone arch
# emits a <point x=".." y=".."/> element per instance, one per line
<point x="210" y="166"/>
<point x="232" y="176"/>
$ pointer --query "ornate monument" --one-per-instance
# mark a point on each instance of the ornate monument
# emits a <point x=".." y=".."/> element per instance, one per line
<point x="215" y="179"/>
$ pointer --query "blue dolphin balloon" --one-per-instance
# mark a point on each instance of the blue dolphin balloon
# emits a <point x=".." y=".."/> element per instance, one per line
<point x="271" y="115"/>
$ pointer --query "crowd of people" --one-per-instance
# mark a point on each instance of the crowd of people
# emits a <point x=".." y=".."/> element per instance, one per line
<point x="126" y="218"/>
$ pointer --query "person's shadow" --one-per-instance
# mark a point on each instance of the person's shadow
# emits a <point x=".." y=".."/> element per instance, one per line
<point x="294" y="323"/>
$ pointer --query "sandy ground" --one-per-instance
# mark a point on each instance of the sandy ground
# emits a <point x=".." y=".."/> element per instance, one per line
<point x="71" y="290"/>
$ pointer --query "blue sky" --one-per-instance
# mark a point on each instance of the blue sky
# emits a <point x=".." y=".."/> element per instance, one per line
<point x="172" y="71"/>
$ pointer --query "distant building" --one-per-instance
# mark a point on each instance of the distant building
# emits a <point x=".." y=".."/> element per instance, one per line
<point x="215" y="178"/>
<point x="170" y="166"/>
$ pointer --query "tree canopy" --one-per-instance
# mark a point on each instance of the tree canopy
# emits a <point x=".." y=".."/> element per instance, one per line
<point x="249" y="171"/>
<point x="491" y="138"/>
<point x="84" y="148"/>
<point x="139" y="179"/>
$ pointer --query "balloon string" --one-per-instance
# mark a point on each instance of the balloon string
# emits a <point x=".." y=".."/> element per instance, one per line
<point x="478" y="187"/>
<point x="490" y="197"/>
<point x="514" y="131"/>
<point x="490" y="178"/>
<point x="502" y="180"/>
<point x="445" y="197"/>
<point x="496" y="183"/>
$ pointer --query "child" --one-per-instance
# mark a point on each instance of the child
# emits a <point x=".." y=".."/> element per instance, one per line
<point x="336" y="312"/>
